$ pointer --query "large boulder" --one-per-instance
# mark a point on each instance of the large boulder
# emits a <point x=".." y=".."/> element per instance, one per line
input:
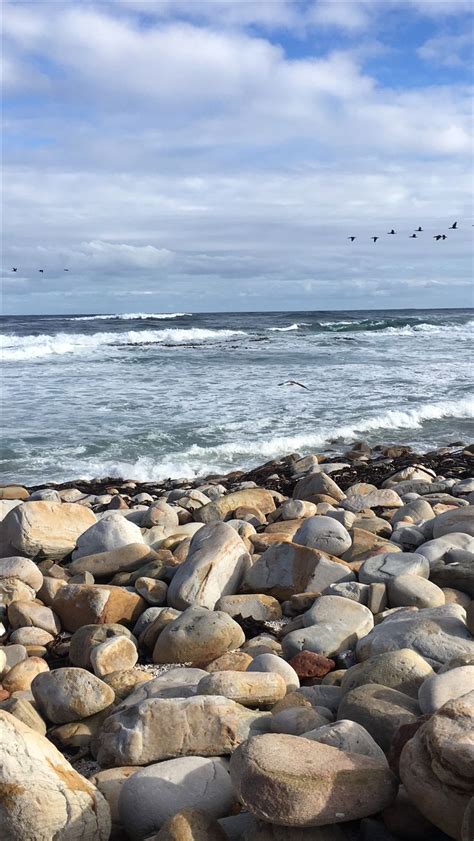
<point x="43" y="529"/>
<point x="105" y="564"/>
<point x="224" y="506"/>
<point x="154" y="794"/>
<point x="404" y="670"/>
<point x="41" y="795"/>
<point x="325" y="534"/>
<point x="197" y="636"/>
<point x="457" y="520"/>
<point x="215" y="567"/>
<point x="96" y="604"/>
<point x="291" y="781"/>
<point x="331" y="625"/>
<point x="111" y="532"/>
<point x="70" y="694"/>
<point x="284" y="570"/>
<point x="437" y="766"/>
<point x="165" y="728"/>
<point x="380" y="710"/>
<point x="439" y="634"/>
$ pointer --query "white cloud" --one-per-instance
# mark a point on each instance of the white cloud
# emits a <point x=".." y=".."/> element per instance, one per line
<point x="449" y="50"/>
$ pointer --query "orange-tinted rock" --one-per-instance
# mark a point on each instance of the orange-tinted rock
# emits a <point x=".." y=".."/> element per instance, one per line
<point x="308" y="664"/>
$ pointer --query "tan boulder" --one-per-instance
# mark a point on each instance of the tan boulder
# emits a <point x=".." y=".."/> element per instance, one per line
<point x="365" y="544"/>
<point x="21" y="676"/>
<point x="23" y="614"/>
<point x="225" y="505"/>
<point x="255" y="606"/>
<point x="191" y="825"/>
<point x="44" y="529"/>
<point x="13" y="492"/>
<point x="233" y="661"/>
<point x="251" y="689"/>
<point x="70" y="694"/>
<point x="197" y="636"/>
<point x="96" y="604"/>
<point x="122" y="559"/>
<point x="113" y="654"/>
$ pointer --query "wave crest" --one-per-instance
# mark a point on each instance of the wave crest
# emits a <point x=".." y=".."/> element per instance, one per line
<point x="132" y="316"/>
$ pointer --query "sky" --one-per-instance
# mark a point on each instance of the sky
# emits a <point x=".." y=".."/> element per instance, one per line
<point x="214" y="155"/>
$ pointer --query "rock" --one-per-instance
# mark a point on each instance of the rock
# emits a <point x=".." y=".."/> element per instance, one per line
<point x="14" y="590"/>
<point x="234" y="661"/>
<point x="350" y="590"/>
<point x="22" y="569"/>
<point x="458" y="520"/>
<point x="25" y="712"/>
<point x="325" y="534"/>
<point x="365" y="544"/>
<point x="415" y="511"/>
<point x="160" y="514"/>
<point x="403" y="670"/>
<point x="109" y="782"/>
<point x="43" y="797"/>
<point x="437" y="766"/>
<point x="111" y="532"/>
<point x="197" y="636"/>
<point x="437" y="550"/>
<point x="6" y="505"/>
<point x="374" y="499"/>
<point x="332" y="625"/>
<point x="27" y="614"/>
<point x="258" y="607"/>
<point x="70" y="694"/>
<point x="439" y="634"/>
<point x="347" y="736"/>
<point x="125" y="681"/>
<point x="296" y="721"/>
<point x="43" y="529"/>
<point x="21" y="676"/>
<point x="438" y="689"/>
<point x="458" y="575"/>
<point x="221" y="508"/>
<point x="292" y="781"/>
<point x="191" y="825"/>
<point x="113" y="654"/>
<point x="387" y="565"/>
<point x="156" y="729"/>
<point x="317" y="483"/>
<point x="380" y="710"/>
<point x="251" y="689"/>
<point x="282" y="571"/>
<point x="153" y="591"/>
<point x="13" y="654"/>
<point x="295" y="509"/>
<point x="96" y="604"/>
<point x="122" y="559"/>
<point x="85" y="639"/>
<point x="308" y="664"/>
<point x="16" y="492"/>
<point x="328" y="572"/>
<point x="153" y="795"/>
<point x="412" y="590"/>
<point x="215" y="567"/>
<point x="272" y="664"/>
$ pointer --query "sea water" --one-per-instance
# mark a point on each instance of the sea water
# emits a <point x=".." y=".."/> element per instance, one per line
<point x="149" y="396"/>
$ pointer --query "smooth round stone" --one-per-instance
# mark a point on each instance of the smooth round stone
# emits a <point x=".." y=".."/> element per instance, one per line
<point x="70" y="694"/>
<point x="325" y="534"/>
<point x="191" y="825"/>
<point x="272" y="664"/>
<point x="21" y="676"/>
<point x="146" y="619"/>
<point x="296" y="720"/>
<point x="14" y="590"/>
<point x="437" y="549"/>
<point x="153" y="591"/>
<point x="441" y="688"/>
<point x="457" y="520"/>
<point x="404" y="670"/>
<point x="411" y="590"/>
<point x="256" y="689"/>
<point x="296" y="509"/>
<point x="332" y="625"/>
<point x="197" y="636"/>
<point x="255" y="606"/>
<point x="112" y="655"/>
<point x="23" y="569"/>
<point x="348" y="736"/>
<point x="153" y="795"/>
<point x="295" y="782"/>
<point x="262" y="644"/>
<point x="31" y="636"/>
<point x="416" y="510"/>
<point x="22" y="614"/>
<point x="234" y="661"/>
<point x="44" y="529"/>
<point x="380" y="710"/>
<point x="386" y="565"/>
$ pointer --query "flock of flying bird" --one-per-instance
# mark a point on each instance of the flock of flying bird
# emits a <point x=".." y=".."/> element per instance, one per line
<point x="418" y="230"/>
<point x="437" y="237"/>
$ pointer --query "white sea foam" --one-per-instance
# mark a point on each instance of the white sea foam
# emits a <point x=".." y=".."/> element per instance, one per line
<point x="132" y="316"/>
<point x="284" y="329"/>
<point x="18" y="348"/>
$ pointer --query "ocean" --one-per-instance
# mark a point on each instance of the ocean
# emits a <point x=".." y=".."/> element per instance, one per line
<point x="149" y="396"/>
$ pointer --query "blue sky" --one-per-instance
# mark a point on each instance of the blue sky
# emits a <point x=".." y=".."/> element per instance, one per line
<point x="216" y="155"/>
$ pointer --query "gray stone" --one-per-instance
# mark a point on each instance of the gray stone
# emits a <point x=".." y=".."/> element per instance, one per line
<point x="458" y="520"/>
<point x="273" y="664"/>
<point x="348" y="736"/>
<point x="387" y="565"/>
<point x="441" y="688"/>
<point x="436" y="550"/>
<point x="325" y="534"/>
<point x="380" y="710"/>
<point x="412" y="590"/>
<point x="332" y="625"/>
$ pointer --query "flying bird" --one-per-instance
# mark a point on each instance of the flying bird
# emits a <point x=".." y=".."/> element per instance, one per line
<point x="65" y="270"/>
<point x="351" y="238"/>
<point x="419" y="229"/>
<point x="14" y="269"/>
<point x="438" y="236"/>
<point x="374" y="238"/>
<point x="391" y="232"/>
<point x="41" y="270"/>
<point x="413" y="236"/>
<point x="444" y="236"/>
<point x="453" y="226"/>
<point x="293" y="382"/>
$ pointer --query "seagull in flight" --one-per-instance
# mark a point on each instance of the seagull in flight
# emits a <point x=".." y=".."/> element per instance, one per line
<point x="419" y="229"/>
<point x="65" y="270"/>
<point x="413" y="236"/>
<point x="14" y="269"/>
<point x="440" y="236"/>
<point x="391" y="232"/>
<point x="374" y="238"/>
<point x="293" y="382"/>
<point x="453" y="226"/>
<point x="41" y="270"/>
<point x="351" y="238"/>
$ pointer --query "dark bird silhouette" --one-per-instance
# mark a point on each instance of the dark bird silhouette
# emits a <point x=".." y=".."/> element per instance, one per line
<point x="41" y="270"/>
<point x="419" y="229"/>
<point x="413" y="236"/>
<point x="14" y="269"/>
<point x="438" y="236"/>
<point x="391" y="232"/>
<point x="351" y="238"/>
<point x="453" y="226"/>
<point x="65" y="270"/>
<point x="293" y="382"/>
<point x="374" y="238"/>
<point x="444" y="236"/>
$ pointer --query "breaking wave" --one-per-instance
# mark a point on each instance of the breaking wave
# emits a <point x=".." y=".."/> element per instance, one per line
<point x="17" y="348"/>
<point x="132" y="316"/>
<point x="295" y="326"/>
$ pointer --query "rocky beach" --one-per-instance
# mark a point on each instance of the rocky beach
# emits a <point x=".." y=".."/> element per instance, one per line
<point x="279" y="654"/>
